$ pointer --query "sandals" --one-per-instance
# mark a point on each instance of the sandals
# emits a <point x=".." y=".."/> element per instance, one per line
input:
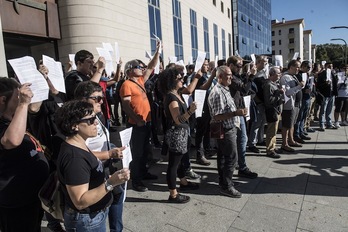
<point x="287" y="148"/>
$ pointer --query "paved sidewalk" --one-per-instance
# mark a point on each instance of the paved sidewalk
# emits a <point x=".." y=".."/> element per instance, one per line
<point x="303" y="191"/>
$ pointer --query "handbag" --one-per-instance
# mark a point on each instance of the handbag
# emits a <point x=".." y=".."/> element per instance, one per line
<point x="177" y="138"/>
<point x="51" y="197"/>
<point x="216" y="130"/>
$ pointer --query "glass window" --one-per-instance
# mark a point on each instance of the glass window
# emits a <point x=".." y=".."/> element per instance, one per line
<point x="273" y="42"/>
<point x="228" y="13"/>
<point x="280" y="32"/>
<point x="291" y="41"/>
<point x="291" y="30"/>
<point x="178" y="45"/>
<point x="154" y="23"/>
<point x="214" y="2"/>
<point x="280" y="52"/>
<point x="223" y="41"/>
<point x="194" y="39"/>
<point x="206" y="37"/>
<point x="229" y="44"/>
<point x="222" y="7"/>
<point x="216" y="40"/>
<point x="272" y="33"/>
<point x="280" y="42"/>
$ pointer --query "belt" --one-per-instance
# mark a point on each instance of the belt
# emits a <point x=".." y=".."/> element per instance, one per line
<point x="73" y="211"/>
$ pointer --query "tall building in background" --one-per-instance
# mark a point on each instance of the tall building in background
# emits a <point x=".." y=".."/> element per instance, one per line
<point x="185" y="28"/>
<point x="252" y="27"/>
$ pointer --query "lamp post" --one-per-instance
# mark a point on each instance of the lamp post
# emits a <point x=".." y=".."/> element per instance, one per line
<point x="345" y="50"/>
<point x="337" y="27"/>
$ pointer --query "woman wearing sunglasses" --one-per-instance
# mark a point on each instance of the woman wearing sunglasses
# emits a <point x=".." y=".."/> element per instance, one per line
<point x="102" y="148"/>
<point x="87" y="192"/>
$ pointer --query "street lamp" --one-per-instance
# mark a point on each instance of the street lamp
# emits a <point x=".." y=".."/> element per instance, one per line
<point x="345" y="50"/>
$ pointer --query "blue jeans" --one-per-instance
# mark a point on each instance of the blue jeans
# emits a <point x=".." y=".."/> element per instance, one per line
<point x="242" y="140"/>
<point x="140" y="143"/>
<point x="301" y="118"/>
<point x="93" y="222"/>
<point x="227" y="157"/>
<point x="115" y="213"/>
<point x="257" y="129"/>
<point x="325" y="111"/>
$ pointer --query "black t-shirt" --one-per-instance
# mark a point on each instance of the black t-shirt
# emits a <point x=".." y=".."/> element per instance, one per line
<point x="23" y="171"/>
<point x="182" y="108"/>
<point x="72" y="79"/>
<point x="76" y="167"/>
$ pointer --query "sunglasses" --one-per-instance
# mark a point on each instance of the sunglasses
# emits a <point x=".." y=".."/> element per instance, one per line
<point x="139" y="67"/>
<point x="89" y="121"/>
<point x="96" y="98"/>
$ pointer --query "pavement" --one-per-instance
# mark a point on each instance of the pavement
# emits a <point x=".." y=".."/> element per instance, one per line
<point x="300" y="192"/>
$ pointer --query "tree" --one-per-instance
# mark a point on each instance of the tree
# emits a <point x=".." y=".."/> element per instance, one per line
<point x="333" y="53"/>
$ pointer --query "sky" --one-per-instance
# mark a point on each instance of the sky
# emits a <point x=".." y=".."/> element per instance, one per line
<point x="318" y="16"/>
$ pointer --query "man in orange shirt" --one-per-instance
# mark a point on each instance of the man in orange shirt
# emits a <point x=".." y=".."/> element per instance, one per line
<point x="137" y="107"/>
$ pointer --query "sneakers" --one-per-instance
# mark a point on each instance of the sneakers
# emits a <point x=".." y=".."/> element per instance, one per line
<point x="344" y="123"/>
<point x="231" y="192"/>
<point x="273" y="155"/>
<point x="139" y="187"/>
<point x="179" y="199"/>
<point x="310" y="130"/>
<point x="331" y="127"/>
<point x="254" y="149"/>
<point x="305" y="137"/>
<point x="247" y="173"/>
<point x="190" y="174"/>
<point x="189" y="186"/>
<point x="337" y="125"/>
<point x="321" y="129"/>
<point x="203" y="161"/>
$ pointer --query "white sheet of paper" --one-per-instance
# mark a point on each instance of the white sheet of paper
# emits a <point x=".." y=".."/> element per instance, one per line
<point x="311" y="82"/>
<point x="117" y="53"/>
<point x="295" y="55"/>
<point x="109" y="64"/>
<point x="216" y="61"/>
<point x="199" y="99"/>
<point x="55" y="73"/>
<point x="200" y="60"/>
<point x="173" y="59"/>
<point x="341" y="76"/>
<point x="25" y="69"/>
<point x="190" y="60"/>
<point x="247" y="100"/>
<point x="286" y="98"/>
<point x="253" y="58"/>
<point x="278" y="60"/>
<point x="125" y="136"/>
<point x="147" y="55"/>
<point x="304" y="77"/>
<point x="323" y="62"/>
<point x="158" y="40"/>
<point x="328" y="74"/>
<point x="72" y="59"/>
<point x="109" y="48"/>
<point x="186" y="99"/>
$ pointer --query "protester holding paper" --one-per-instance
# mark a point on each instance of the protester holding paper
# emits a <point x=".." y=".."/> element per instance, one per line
<point x="341" y="101"/>
<point x="87" y="194"/>
<point x="23" y="166"/>
<point x="102" y="148"/>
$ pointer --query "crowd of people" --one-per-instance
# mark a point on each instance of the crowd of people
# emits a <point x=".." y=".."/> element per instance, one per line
<point x="69" y="132"/>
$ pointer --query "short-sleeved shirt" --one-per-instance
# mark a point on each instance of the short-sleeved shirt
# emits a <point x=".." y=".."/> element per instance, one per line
<point x="182" y="108"/>
<point x="139" y="101"/>
<point x="23" y="171"/>
<point x="72" y="79"/>
<point x="76" y="167"/>
<point x="220" y="102"/>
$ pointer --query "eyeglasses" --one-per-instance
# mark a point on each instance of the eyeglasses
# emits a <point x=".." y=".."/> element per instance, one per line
<point x="89" y="121"/>
<point x="96" y="98"/>
<point x="139" y="67"/>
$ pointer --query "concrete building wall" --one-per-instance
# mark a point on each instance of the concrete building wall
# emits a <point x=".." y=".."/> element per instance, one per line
<point x="3" y="68"/>
<point x="85" y="24"/>
<point x="307" y="46"/>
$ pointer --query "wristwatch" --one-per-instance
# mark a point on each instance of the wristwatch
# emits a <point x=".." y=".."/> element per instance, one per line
<point x="109" y="187"/>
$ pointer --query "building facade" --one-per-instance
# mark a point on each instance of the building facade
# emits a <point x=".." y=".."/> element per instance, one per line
<point x="288" y="38"/>
<point x="307" y="45"/>
<point x="184" y="27"/>
<point x="252" y="27"/>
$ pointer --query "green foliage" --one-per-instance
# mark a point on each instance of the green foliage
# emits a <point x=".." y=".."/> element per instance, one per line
<point x="334" y="53"/>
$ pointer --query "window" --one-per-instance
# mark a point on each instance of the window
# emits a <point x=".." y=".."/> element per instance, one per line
<point x="272" y="33"/>
<point x="250" y="22"/>
<point x="222" y="7"/>
<point x="291" y="51"/>
<point x="194" y="39"/>
<point x="291" y="41"/>
<point x="291" y="30"/>
<point x="223" y="44"/>
<point x="257" y="45"/>
<point x="280" y="42"/>
<point x="229" y="44"/>
<point x="216" y="40"/>
<point x="228" y="13"/>
<point x="177" y="26"/>
<point x="280" y="32"/>
<point x="214" y="2"/>
<point x="243" y="17"/>
<point x="273" y="43"/>
<point x="154" y="23"/>
<point x="244" y="40"/>
<point x="259" y="27"/>
<point x="280" y="52"/>
<point x="206" y="37"/>
<point x="273" y="52"/>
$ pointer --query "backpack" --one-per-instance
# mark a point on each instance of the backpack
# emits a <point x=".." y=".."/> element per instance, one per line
<point x="51" y="197"/>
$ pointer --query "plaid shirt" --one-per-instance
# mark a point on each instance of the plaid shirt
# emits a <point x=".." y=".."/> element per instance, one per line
<point x="220" y="101"/>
